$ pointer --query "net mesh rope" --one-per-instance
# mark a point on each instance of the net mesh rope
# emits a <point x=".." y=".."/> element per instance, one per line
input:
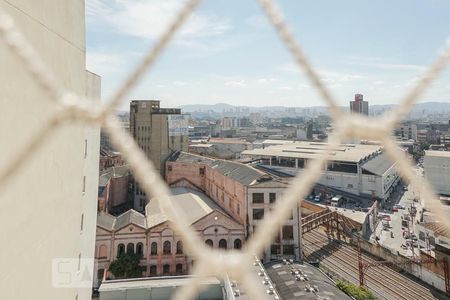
<point x="214" y="262"/>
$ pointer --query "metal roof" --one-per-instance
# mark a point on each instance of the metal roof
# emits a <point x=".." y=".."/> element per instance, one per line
<point x="289" y="288"/>
<point x="309" y="150"/>
<point x="242" y="173"/>
<point x="194" y="205"/>
<point x="378" y="165"/>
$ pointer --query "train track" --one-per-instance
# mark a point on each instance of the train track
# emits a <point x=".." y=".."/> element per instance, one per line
<point x="341" y="258"/>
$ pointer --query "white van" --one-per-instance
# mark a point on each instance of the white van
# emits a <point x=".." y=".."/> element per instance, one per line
<point x="337" y="200"/>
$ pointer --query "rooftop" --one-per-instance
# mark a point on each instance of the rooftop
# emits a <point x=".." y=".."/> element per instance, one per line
<point x="378" y="165"/>
<point x="437" y="228"/>
<point x="290" y="288"/>
<point x="194" y="204"/>
<point x="242" y="173"/>
<point x="310" y="150"/>
<point x="435" y="153"/>
<point x="157" y="288"/>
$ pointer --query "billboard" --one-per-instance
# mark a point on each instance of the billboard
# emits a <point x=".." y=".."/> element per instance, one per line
<point x="178" y="125"/>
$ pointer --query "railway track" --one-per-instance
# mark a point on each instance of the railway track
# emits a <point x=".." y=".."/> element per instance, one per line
<point x="341" y="258"/>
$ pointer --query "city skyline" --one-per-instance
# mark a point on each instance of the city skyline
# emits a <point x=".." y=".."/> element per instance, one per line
<point x="234" y="56"/>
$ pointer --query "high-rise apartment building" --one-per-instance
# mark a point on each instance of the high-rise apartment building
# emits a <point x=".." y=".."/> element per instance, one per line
<point x="48" y="213"/>
<point x="159" y="132"/>
<point x="359" y="105"/>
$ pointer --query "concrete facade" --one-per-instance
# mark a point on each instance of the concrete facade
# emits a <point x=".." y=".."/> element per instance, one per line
<point x="115" y="190"/>
<point x="149" y="126"/>
<point x="436" y="169"/>
<point x="53" y="195"/>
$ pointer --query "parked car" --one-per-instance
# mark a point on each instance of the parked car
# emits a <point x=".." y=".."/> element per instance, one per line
<point x="405" y="187"/>
<point x="318" y="198"/>
<point x="395" y="208"/>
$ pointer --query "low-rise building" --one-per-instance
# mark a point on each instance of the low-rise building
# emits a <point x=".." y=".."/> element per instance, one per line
<point x="353" y="168"/>
<point x="437" y="170"/>
<point x="244" y="192"/>
<point x="150" y="235"/>
<point x="115" y="190"/>
<point x="224" y="148"/>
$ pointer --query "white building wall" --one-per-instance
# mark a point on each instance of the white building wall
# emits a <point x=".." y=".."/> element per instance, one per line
<point x="91" y="150"/>
<point x="42" y="205"/>
<point x="437" y="172"/>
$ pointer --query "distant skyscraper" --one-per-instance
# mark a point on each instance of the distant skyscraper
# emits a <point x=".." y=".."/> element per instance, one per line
<point x="359" y="106"/>
<point x="159" y="132"/>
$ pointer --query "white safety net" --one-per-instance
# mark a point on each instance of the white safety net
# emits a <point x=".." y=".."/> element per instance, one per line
<point x="211" y="262"/>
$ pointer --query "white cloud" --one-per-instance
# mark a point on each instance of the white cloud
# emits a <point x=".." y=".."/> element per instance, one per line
<point x="378" y="63"/>
<point x="236" y="83"/>
<point x="150" y="18"/>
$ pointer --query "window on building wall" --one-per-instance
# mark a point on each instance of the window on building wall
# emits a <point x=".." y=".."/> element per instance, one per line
<point x="85" y="148"/>
<point x="166" y="269"/>
<point x="130" y="248"/>
<point x="258" y="197"/>
<point x="140" y="249"/>
<point x="258" y="213"/>
<point x="179" y="269"/>
<point x="288" y="232"/>
<point x="223" y="244"/>
<point x="238" y="209"/>
<point x="102" y="251"/>
<point x="154" y="248"/>
<point x="422" y="236"/>
<point x="209" y="243"/>
<point x="82" y="221"/>
<point x="272" y="197"/>
<point x="169" y="168"/>
<point x="201" y="170"/>
<point x="84" y="184"/>
<point x="153" y="271"/>
<point x="167" y="247"/>
<point x="288" y="249"/>
<point x="120" y="249"/>
<point x="275" y="249"/>
<point x="237" y="244"/>
<point x="180" y="247"/>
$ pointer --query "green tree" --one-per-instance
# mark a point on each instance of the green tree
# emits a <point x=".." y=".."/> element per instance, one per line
<point x="126" y="266"/>
<point x="357" y="292"/>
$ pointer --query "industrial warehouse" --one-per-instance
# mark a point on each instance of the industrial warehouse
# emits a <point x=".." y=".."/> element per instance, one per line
<point x="362" y="170"/>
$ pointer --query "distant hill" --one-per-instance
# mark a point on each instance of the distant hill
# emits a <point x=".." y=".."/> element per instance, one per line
<point x="430" y="107"/>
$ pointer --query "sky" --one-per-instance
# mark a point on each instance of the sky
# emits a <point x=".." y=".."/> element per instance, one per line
<point x="227" y="52"/>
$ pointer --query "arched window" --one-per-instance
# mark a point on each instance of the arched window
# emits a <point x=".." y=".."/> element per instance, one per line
<point x="167" y="247"/>
<point x="237" y="244"/>
<point x="179" y="269"/>
<point x="130" y="248"/>
<point x="140" y="249"/>
<point x="154" y="249"/>
<point x="120" y="249"/>
<point x="152" y="270"/>
<point x="209" y="242"/>
<point x="180" y="247"/>
<point x="223" y="244"/>
<point x="102" y="251"/>
<point x="166" y="269"/>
